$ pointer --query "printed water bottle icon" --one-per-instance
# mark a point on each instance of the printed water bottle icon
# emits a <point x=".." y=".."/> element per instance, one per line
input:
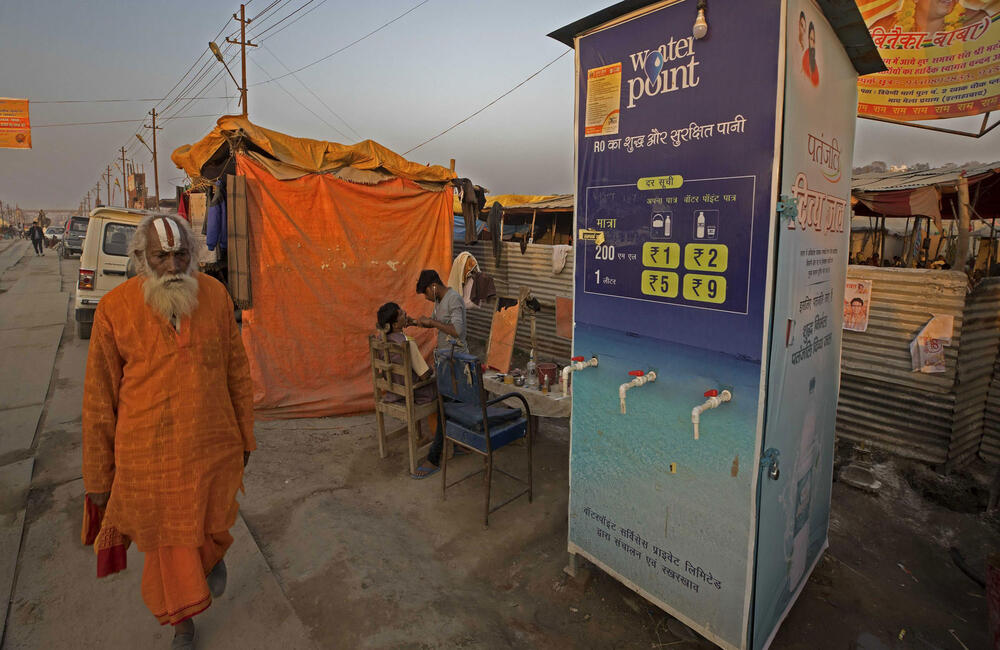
<point x="660" y="225"/>
<point x="706" y="224"/>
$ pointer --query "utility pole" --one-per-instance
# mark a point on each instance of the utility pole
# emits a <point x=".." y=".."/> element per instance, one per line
<point x="97" y="188"/>
<point x="243" y="43"/>
<point x="156" y="166"/>
<point x="107" y="179"/>
<point x="124" y="182"/>
<point x="88" y="201"/>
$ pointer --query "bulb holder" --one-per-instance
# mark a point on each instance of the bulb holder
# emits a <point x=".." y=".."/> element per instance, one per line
<point x="700" y="28"/>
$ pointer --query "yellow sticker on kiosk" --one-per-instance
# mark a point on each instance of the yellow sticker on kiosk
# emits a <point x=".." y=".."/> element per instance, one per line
<point x="663" y="256"/>
<point x="706" y="257"/>
<point x="659" y="284"/>
<point x="705" y="288"/>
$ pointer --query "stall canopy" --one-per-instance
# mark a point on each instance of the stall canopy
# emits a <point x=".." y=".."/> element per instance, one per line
<point x="927" y="193"/>
<point x="334" y="231"/>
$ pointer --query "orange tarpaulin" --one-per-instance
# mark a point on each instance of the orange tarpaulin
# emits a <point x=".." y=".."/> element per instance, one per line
<point x="300" y="156"/>
<point x="324" y="255"/>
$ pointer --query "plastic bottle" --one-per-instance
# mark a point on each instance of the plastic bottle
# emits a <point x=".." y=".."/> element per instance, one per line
<point x="532" y="371"/>
<point x="666" y="226"/>
<point x="700" y="229"/>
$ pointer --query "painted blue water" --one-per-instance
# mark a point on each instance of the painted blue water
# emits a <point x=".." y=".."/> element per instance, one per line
<point x="621" y="468"/>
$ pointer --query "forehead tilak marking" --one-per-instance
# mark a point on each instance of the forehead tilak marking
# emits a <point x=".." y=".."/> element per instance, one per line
<point x="169" y="234"/>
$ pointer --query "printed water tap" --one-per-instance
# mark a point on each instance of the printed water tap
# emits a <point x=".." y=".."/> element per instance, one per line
<point x="578" y="364"/>
<point x="715" y="399"/>
<point x="640" y="378"/>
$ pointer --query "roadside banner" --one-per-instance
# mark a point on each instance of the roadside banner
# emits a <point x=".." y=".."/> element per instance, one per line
<point x="943" y="58"/>
<point x="15" y="126"/>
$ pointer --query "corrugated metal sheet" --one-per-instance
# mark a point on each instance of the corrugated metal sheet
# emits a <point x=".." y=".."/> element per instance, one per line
<point x="935" y="418"/>
<point x="532" y="269"/>
<point x="976" y="361"/>
<point x="908" y="180"/>
<point x="989" y="448"/>
<point x="882" y="401"/>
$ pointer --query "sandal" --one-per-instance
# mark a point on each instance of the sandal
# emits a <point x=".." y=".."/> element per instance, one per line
<point x="425" y="470"/>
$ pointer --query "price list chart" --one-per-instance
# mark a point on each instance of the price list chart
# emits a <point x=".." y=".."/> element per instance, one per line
<point x="673" y="240"/>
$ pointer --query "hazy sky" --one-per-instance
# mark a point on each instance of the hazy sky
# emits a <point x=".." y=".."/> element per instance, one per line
<point x="429" y="69"/>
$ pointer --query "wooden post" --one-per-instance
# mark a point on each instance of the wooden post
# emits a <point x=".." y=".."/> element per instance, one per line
<point x="962" y="251"/>
<point x="452" y="164"/>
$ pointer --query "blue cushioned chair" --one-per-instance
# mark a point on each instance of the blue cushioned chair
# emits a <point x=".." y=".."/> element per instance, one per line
<point x="472" y="422"/>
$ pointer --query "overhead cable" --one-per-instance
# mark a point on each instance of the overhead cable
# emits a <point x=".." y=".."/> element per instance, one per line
<point x="313" y="93"/>
<point x="42" y="126"/>
<point x="351" y="44"/>
<point x="299" y="101"/>
<point x="106" y="101"/>
<point x="462" y="121"/>
<point x="322" y="2"/>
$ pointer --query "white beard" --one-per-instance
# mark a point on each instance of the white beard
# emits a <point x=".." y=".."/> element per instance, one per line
<point x="171" y="295"/>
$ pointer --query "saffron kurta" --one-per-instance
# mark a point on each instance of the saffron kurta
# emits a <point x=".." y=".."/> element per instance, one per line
<point x="166" y="417"/>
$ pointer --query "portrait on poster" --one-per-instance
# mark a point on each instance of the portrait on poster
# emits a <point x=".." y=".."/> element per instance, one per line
<point x="857" y="303"/>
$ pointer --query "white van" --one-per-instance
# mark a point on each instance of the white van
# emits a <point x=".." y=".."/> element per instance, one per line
<point x="104" y="260"/>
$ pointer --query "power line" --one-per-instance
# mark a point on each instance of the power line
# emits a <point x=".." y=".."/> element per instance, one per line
<point x="106" y="101"/>
<point x="42" y="126"/>
<point x="526" y="80"/>
<point x="298" y="101"/>
<point x="318" y="98"/>
<point x="322" y="2"/>
<point x="352" y="43"/>
<point x="258" y="34"/>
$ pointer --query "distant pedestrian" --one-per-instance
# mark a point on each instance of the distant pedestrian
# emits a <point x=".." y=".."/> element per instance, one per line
<point x="37" y="237"/>
<point x="167" y="426"/>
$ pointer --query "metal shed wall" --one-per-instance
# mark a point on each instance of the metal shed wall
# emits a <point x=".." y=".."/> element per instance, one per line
<point x="989" y="448"/>
<point x="976" y="360"/>
<point x="532" y="269"/>
<point x="882" y="401"/>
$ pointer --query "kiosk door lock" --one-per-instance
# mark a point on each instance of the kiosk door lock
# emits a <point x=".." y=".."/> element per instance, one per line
<point x="769" y="462"/>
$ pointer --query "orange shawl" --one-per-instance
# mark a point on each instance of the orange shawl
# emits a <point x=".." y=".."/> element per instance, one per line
<point x="166" y="417"/>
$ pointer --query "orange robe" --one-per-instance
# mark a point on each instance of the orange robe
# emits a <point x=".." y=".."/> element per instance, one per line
<point x="167" y="416"/>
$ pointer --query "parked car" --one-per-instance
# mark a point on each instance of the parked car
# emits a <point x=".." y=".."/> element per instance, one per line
<point x="103" y="260"/>
<point x="73" y="237"/>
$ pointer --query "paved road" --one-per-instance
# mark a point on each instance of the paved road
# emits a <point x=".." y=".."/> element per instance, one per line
<point x="48" y="577"/>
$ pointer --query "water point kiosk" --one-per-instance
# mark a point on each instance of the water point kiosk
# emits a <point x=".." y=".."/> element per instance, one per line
<point x="712" y="220"/>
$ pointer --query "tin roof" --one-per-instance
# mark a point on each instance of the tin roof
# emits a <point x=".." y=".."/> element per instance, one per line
<point x="945" y="177"/>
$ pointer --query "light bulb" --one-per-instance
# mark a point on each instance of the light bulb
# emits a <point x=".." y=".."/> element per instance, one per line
<point x="700" y="26"/>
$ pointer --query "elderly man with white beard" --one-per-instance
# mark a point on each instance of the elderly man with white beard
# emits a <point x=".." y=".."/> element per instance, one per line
<point x="167" y="426"/>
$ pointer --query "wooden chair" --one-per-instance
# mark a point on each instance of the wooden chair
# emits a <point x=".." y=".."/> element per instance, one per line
<point x="388" y="359"/>
<point x="473" y="422"/>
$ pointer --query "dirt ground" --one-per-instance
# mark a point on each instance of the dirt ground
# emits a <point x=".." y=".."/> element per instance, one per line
<point x="353" y="553"/>
<point x="371" y="558"/>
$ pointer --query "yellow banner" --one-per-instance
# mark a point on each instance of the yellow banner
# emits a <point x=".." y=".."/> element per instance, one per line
<point x="943" y="58"/>
<point x="15" y="126"/>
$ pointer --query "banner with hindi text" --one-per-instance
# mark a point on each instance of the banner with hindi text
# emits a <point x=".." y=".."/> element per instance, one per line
<point x="15" y="126"/>
<point x="943" y="58"/>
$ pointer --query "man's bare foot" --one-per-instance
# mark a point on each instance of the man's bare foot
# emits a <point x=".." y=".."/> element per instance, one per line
<point x="183" y="636"/>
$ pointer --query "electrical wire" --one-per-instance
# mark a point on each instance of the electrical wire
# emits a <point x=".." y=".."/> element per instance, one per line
<point x="259" y="34"/>
<point x="351" y="44"/>
<point x="462" y="121"/>
<point x="299" y="102"/>
<point x="313" y="93"/>
<point x="42" y="126"/>
<point x="322" y="2"/>
<point x="108" y="101"/>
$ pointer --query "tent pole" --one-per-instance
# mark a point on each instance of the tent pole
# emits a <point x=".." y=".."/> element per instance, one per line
<point x="962" y="253"/>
